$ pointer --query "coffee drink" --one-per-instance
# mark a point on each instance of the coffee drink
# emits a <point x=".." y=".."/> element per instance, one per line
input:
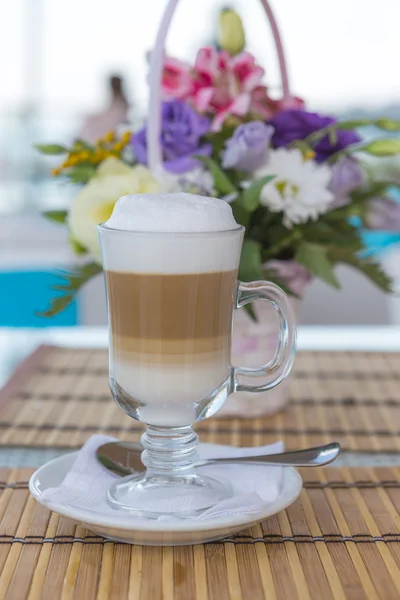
<point x="170" y="264"/>
<point x="171" y="279"/>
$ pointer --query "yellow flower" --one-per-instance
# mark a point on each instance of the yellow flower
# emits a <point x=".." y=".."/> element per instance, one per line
<point x="126" y="137"/>
<point x="56" y="172"/>
<point x="99" y="155"/>
<point x="109" y="137"/>
<point x="73" y="159"/>
<point x="95" y="202"/>
<point x="231" y="35"/>
<point x="309" y="155"/>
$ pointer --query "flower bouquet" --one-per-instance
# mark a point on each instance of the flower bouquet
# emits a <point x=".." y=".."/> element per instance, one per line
<point x="297" y="180"/>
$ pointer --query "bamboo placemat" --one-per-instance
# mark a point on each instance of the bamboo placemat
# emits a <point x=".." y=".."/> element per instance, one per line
<point x="340" y="540"/>
<point x="60" y="397"/>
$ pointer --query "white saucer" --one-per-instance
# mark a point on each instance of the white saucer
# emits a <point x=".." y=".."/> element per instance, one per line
<point x="156" y="533"/>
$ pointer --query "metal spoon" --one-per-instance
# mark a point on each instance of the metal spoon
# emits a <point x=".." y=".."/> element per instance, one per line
<point x="123" y="458"/>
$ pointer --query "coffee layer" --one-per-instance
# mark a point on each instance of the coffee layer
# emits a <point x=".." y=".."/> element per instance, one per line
<point x="173" y="384"/>
<point x="170" y="314"/>
<point x="170" y="338"/>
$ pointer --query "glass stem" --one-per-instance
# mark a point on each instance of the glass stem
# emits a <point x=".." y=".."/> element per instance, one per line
<point x="169" y="451"/>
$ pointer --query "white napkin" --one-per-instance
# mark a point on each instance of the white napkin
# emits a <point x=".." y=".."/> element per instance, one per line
<point x="255" y="487"/>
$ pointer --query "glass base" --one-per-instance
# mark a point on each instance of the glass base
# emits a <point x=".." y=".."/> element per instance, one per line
<point x="155" y="496"/>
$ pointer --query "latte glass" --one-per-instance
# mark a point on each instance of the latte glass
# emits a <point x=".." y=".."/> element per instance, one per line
<point x="171" y="300"/>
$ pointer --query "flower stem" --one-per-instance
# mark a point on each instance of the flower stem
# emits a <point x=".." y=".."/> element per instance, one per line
<point x="277" y="248"/>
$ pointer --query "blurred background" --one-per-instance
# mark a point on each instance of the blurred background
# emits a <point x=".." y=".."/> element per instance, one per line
<point x="79" y="68"/>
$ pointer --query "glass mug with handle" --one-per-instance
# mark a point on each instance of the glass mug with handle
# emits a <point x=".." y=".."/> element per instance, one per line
<point x="171" y="299"/>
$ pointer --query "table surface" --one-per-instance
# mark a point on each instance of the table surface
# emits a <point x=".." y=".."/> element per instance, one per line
<point x="99" y="565"/>
<point x="16" y="344"/>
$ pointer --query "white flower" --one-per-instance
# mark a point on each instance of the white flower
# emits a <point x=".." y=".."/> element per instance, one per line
<point x="95" y="202"/>
<point x="197" y="181"/>
<point x="299" y="188"/>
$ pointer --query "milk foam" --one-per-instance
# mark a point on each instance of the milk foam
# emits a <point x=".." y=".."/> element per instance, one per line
<point x="139" y="235"/>
<point x="180" y="212"/>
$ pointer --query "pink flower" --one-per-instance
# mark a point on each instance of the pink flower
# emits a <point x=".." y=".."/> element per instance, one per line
<point x="242" y="344"/>
<point x="267" y="107"/>
<point x="295" y="276"/>
<point x="292" y="103"/>
<point x="177" y="79"/>
<point x="221" y="85"/>
<point x="383" y="214"/>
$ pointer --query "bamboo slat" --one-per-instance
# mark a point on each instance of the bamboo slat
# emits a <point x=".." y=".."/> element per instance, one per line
<point x="60" y="397"/>
<point x="340" y="540"/>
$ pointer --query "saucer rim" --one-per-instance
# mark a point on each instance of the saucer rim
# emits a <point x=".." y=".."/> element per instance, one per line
<point x="286" y="497"/>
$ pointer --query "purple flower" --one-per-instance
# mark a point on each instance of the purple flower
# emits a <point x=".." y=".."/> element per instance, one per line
<point x="295" y="124"/>
<point x="294" y="275"/>
<point x="383" y="214"/>
<point x="347" y="176"/>
<point x="247" y="149"/>
<point x="181" y="133"/>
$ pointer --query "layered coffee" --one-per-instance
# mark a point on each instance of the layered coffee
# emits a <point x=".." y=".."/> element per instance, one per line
<point x="171" y="294"/>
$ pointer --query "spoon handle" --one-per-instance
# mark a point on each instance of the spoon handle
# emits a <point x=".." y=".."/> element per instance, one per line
<point x="311" y="457"/>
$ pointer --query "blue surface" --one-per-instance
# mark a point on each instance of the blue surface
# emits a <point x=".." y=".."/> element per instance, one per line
<point x="379" y="241"/>
<point x="24" y="293"/>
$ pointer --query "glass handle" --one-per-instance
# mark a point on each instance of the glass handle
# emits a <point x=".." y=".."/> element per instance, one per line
<point x="279" y="367"/>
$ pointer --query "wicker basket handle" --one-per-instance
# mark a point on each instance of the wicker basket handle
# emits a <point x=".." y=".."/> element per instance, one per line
<point x="155" y="77"/>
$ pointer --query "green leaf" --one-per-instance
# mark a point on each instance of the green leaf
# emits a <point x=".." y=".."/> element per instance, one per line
<point x="77" y="247"/>
<point x="388" y="124"/>
<point x="375" y="188"/>
<point x="241" y="215"/>
<point x="81" y="145"/>
<point x="222" y="183"/>
<point x="250" y="311"/>
<point x="81" y="173"/>
<point x="60" y="216"/>
<point x="57" y="306"/>
<point x="75" y="279"/>
<point x="250" y="262"/>
<point x="329" y="231"/>
<point x="333" y="139"/>
<point x="388" y="147"/>
<point x="371" y="269"/>
<point x="340" y="234"/>
<point x="329" y="130"/>
<point x="301" y="145"/>
<point x="374" y="272"/>
<point x="250" y="198"/>
<point x="353" y="124"/>
<point x="314" y="258"/>
<point x="385" y="124"/>
<point x="261" y="225"/>
<point x="71" y="283"/>
<point x="51" y="149"/>
<point x="272" y="275"/>
<point x="218" y="139"/>
<point x="282" y="241"/>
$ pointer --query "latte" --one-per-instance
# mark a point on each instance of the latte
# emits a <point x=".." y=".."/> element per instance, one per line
<point x="171" y="293"/>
